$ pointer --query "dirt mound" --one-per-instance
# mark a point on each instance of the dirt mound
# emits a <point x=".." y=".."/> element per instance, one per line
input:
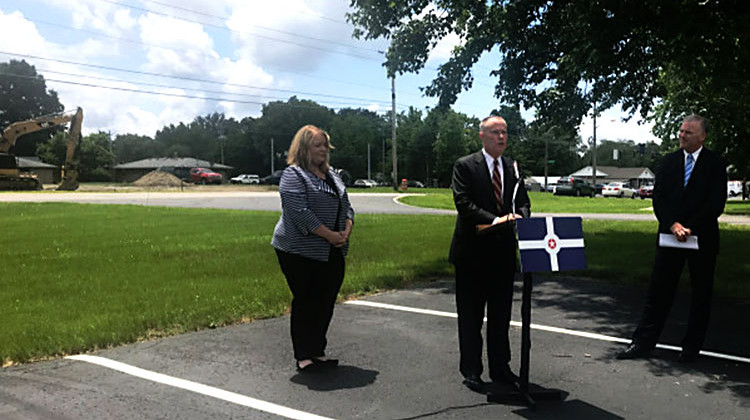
<point x="158" y="179"/>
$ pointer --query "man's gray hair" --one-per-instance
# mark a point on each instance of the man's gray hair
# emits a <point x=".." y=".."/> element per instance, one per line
<point x="700" y="120"/>
<point x="483" y="124"/>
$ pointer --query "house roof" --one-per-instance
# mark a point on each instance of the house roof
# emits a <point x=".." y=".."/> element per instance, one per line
<point x="588" y="171"/>
<point x="186" y="162"/>
<point x="33" y="162"/>
<point x="615" y="173"/>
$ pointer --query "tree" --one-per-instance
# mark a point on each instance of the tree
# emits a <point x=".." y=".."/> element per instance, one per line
<point x="281" y="120"/>
<point x="457" y="135"/>
<point x="24" y="95"/>
<point x="96" y="157"/>
<point x="416" y="138"/>
<point x="559" y="58"/>
<point x="352" y="130"/>
<point x="132" y="147"/>
<point x="95" y="153"/>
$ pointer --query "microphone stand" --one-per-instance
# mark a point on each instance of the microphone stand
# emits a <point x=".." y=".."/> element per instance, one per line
<point x="522" y="387"/>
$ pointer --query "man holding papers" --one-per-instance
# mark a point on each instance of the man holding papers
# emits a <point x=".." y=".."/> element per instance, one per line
<point x="485" y="184"/>
<point x="689" y="196"/>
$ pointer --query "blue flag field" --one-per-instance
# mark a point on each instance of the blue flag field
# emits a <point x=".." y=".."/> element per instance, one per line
<point x="550" y="244"/>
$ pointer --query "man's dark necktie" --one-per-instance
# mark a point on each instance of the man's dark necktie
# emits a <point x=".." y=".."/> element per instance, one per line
<point x="497" y="185"/>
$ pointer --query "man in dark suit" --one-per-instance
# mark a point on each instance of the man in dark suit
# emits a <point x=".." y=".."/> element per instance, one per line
<point x="690" y="191"/>
<point x="483" y="188"/>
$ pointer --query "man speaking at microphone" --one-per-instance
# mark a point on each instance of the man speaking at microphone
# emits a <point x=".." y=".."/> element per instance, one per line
<point x="486" y="185"/>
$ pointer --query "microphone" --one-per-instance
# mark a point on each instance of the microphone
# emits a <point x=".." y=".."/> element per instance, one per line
<point x="515" y="188"/>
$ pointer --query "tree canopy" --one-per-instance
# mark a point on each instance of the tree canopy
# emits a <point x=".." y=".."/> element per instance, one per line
<point x="24" y="95"/>
<point x="663" y="58"/>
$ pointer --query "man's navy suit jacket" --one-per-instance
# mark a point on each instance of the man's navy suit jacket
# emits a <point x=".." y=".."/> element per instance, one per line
<point x="696" y="206"/>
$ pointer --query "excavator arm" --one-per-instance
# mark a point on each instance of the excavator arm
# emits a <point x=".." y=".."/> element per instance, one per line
<point x="20" y="128"/>
<point x="70" y="168"/>
<point x="10" y="179"/>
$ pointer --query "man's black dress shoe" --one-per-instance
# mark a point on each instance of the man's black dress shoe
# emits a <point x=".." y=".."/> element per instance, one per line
<point x="506" y="376"/>
<point x="688" y="356"/>
<point x="474" y="383"/>
<point x="328" y="363"/>
<point x="634" y="351"/>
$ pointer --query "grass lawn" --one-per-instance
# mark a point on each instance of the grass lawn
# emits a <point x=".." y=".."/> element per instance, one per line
<point x="77" y="277"/>
<point x="442" y="198"/>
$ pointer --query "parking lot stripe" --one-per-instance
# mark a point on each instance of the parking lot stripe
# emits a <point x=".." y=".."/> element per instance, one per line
<point x="210" y="391"/>
<point x="556" y="330"/>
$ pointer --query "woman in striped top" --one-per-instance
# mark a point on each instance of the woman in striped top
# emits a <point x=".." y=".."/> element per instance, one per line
<point x="311" y="240"/>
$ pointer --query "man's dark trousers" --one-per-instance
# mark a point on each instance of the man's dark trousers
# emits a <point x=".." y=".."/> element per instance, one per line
<point x="486" y="281"/>
<point x="665" y="277"/>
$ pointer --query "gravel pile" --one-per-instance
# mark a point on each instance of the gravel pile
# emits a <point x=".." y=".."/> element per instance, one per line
<point x="158" y="179"/>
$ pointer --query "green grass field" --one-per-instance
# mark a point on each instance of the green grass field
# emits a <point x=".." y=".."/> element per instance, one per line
<point x="77" y="277"/>
<point x="442" y="198"/>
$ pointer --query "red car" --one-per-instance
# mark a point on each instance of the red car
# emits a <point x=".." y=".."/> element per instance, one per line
<point x="646" y="191"/>
<point x="204" y="176"/>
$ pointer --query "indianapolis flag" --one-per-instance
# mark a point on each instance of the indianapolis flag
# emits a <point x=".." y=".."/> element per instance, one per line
<point x="550" y="244"/>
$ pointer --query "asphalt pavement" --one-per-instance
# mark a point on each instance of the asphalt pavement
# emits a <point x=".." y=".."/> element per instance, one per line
<point x="362" y="202"/>
<point x="401" y="362"/>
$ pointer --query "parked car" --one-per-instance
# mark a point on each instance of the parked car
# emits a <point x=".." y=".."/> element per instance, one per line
<point x="414" y="184"/>
<point x="551" y="187"/>
<point x="618" y="189"/>
<point x="204" y="176"/>
<point x="272" y="179"/>
<point x="646" y="191"/>
<point x="245" y="179"/>
<point x="734" y="188"/>
<point x="575" y="186"/>
<point x="365" y="183"/>
<point x="599" y="188"/>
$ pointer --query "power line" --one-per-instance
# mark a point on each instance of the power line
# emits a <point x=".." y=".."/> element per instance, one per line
<point x="209" y="56"/>
<point x="110" y="79"/>
<point x="331" y="105"/>
<point x="191" y="79"/>
<point x="317" y="15"/>
<point x="261" y="36"/>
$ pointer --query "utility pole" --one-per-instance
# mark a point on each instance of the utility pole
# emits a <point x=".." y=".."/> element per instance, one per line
<point x="546" y="161"/>
<point x="593" y="155"/>
<point x="272" y="168"/>
<point x="393" y="131"/>
<point x="368" y="161"/>
<point x="222" y="140"/>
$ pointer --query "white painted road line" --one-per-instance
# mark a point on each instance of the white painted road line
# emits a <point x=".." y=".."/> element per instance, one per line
<point x="557" y="330"/>
<point x="210" y="391"/>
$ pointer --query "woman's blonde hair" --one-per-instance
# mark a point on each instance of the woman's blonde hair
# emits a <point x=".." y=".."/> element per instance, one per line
<point x="299" y="151"/>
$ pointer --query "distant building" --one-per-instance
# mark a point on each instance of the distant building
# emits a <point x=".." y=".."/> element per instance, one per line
<point x="179" y="167"/>
<point x="44" y="172"/>
<point x="606" y="174"/>
<point x="540" y="179"/>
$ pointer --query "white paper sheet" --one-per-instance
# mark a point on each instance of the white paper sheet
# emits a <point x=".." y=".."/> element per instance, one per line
<point x="670" y="241"/>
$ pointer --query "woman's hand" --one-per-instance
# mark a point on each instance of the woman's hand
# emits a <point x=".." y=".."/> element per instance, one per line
<point x="336" y="239"/>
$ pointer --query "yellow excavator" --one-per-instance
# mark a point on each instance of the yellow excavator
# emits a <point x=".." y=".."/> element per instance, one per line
<point x="11" y="177"/>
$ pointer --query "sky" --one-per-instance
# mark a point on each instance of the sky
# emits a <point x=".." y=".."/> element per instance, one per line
<point x="135" y="66"/>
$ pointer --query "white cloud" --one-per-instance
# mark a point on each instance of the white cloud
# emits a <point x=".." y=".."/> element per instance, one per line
<point x="444" y="48"/>
<point x="18" y="34"/>
<point x="281" y="33"/>
<point x="184" y="48"/>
